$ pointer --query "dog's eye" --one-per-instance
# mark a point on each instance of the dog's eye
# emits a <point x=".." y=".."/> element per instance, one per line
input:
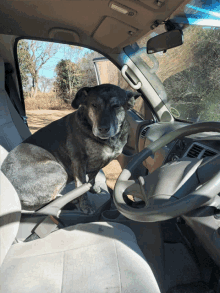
<point x="94" y="105"/>
<point x="116" y="106"/>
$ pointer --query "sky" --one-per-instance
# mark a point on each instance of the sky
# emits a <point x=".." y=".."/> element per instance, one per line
<point x="73" y="53"/>
<point x="63" y="53"/>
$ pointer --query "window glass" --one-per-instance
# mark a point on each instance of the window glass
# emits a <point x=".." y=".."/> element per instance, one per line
<point x="51" y="75"/>
<point x="107" y="72"/>
<point x="189" y="73"/>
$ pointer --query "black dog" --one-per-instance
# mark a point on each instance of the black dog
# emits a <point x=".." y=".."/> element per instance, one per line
<point x="80" y="143"/>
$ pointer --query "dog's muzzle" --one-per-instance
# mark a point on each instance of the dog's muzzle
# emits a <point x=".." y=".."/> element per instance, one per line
<point x="104" y="132"/>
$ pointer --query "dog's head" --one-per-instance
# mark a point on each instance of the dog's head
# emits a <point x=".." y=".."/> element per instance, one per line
<point x="105" y="107"/>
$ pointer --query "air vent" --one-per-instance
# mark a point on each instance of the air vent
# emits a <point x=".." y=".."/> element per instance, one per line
<point x="208" y="153"/>
<point x="143" y="132"/>
<point x="194" y="151"/>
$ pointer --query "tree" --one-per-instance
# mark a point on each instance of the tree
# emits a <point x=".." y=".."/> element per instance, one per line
<point x="68" y="79"/>
<point x="24" y="62"/>
<point x="87" y="67"/>
<point x="45" y="84"/>
<point x="40" y="52"/>
<point x="190" y="74"/>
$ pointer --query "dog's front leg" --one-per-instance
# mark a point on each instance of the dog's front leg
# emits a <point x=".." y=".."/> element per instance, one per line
<point x="95" y="185"/>
<point x="80" y="178"/>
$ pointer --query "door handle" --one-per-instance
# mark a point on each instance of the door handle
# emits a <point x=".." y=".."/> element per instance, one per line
<point x="123" y="72"/>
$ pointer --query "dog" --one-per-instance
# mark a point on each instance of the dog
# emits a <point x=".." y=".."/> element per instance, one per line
<point x="72" y="147"/>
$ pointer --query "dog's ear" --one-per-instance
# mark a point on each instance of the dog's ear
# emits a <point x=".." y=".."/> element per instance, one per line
<point x="80" y="97"/>
<point x="131" y="97"/>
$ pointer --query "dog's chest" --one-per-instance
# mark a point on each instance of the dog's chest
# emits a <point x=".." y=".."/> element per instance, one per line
<point x="109" y="154"/>
<point x="98" y="156"/>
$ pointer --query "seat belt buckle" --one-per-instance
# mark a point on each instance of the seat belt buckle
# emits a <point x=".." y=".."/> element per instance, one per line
<point x="47" y="226"/>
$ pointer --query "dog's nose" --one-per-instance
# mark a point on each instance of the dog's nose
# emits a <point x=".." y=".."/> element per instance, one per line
<point x="104" y="129"/>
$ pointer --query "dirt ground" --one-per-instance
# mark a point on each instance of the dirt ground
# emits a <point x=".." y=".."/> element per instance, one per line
<point x="40" y="118"/>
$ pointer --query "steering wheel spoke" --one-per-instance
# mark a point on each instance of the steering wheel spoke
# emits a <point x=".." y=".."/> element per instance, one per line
<point x="133" y="187"/>
<point x="208" y="168"/>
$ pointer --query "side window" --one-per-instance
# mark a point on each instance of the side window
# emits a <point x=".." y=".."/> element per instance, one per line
<point x="107" y="72"/>
<point x="139" y="107"/>
<point x="51" y="75"/>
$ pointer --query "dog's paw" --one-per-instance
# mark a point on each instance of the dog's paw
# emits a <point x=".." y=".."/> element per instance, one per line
<point x="95" y="189"/>
<point x="86" y="206"/>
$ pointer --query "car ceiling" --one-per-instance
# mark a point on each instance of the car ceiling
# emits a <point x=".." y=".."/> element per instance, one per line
<point x="91" y="23"/>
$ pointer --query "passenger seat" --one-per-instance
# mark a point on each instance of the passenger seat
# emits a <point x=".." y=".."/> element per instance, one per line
<point x="14" y="131"/>
<point x="12" y="128"/>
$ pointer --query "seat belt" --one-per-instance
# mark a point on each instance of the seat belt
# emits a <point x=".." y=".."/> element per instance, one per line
<point x="12" y="92"/>
<point x="52" y="222"/>
<point x="44" y="228"/>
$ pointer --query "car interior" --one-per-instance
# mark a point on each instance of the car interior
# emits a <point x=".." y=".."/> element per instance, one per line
<point x="159" y="229"/>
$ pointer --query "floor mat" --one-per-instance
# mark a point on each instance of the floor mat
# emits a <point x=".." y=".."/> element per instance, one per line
<point x="170" y="232"/>
<point x="198" y="287"/>
<point x="180" y="268"/>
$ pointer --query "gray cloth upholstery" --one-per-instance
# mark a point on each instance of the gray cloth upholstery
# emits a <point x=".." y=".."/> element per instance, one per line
<point x="94" y="257"/>
<point x="12" y="129"/>
<point x="10" y="211"/>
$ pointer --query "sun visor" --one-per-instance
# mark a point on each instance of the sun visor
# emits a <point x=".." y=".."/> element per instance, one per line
<point x="60" y="34"/>
<point x="112" y="33"/>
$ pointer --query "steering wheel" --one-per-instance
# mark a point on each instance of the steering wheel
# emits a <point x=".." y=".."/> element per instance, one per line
<point x="175" y="188"/>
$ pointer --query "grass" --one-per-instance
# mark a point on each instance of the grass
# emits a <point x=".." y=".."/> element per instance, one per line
<point x="46" y="101"/>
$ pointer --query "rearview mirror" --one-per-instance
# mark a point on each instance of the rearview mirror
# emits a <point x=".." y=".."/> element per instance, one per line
<point x="165" y="41"/>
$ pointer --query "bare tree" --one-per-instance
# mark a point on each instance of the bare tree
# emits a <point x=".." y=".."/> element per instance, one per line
<point x="45" y="84"/>
<point x="87" y="67"/>
<point x="40" y="53"/>
<point x="24" y="62"/>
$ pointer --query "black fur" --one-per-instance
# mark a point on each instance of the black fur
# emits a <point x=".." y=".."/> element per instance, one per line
<point x="80" y="143"/>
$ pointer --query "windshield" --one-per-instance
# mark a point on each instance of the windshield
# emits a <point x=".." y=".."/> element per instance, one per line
<point x="190" y="73"/>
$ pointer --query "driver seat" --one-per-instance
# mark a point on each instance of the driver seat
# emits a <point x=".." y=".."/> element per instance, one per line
<point x="94" y="257"/>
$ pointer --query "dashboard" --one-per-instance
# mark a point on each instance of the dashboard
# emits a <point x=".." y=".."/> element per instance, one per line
<point x="205" y="221"/>
<point x="199" y="145"/>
